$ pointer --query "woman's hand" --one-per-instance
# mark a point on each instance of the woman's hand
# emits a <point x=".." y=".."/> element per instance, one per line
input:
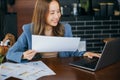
<point x="29" y="54"/>
<point x="91" y="54"/>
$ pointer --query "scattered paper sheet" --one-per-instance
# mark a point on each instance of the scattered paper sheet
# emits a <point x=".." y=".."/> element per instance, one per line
<point x="25" y="71"/>
<point x="54" y="44"/>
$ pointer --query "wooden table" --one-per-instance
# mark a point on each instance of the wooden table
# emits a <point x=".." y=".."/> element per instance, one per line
<point x="66" y="72"/>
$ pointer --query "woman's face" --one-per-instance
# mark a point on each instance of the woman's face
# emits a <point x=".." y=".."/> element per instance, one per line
<point x="54" y="14"/>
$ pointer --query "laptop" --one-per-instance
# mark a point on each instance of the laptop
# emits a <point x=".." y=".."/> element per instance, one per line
<point x="110" y="54"/>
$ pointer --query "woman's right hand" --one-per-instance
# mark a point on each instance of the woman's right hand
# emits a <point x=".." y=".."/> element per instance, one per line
<point x="29" y="54"/>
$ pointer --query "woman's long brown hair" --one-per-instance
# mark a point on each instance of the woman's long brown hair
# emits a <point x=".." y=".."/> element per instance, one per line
<point x="39" y="19"/>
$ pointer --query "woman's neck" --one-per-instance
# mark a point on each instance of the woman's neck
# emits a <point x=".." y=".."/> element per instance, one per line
<point x="49" y="31"/>
<point x="48" y="28"/>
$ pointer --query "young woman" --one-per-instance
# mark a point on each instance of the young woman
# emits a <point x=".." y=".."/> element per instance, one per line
<point x="45" y="21"/>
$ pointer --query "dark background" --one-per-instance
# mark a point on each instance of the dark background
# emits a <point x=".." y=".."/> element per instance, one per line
<point x="8" y="20"/>
<point x="92" y="29"/>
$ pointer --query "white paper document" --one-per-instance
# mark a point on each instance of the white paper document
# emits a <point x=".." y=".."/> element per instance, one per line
<point x="54" y="44"/>
<point x="25" y="71"/>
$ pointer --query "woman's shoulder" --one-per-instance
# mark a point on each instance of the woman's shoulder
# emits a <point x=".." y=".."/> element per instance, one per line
<point x="68" y="29"/>
<point x="27" y="26"/>
<point x="66" y="25"/>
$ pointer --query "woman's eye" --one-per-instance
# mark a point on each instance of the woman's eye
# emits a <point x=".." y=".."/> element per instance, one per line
<point x="51" y="13"/>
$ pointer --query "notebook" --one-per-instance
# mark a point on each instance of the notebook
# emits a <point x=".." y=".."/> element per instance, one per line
<point x="110" y="55"/>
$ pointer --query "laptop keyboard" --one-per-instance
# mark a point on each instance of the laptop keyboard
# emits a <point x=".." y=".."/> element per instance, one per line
<point x="91" y="63"/>
<point x="87" y="62"/>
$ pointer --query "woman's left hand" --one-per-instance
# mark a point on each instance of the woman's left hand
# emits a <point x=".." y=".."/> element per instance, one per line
<point x="92" y="54"/>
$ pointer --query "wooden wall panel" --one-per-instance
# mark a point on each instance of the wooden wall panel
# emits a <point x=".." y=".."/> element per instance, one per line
<point x="24" y="9"/>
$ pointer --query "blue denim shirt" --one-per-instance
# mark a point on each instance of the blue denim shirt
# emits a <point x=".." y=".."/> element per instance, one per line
<point x="24" y="42"/>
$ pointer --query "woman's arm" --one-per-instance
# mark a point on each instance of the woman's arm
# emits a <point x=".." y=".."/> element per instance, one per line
<point x="16" y="51"/>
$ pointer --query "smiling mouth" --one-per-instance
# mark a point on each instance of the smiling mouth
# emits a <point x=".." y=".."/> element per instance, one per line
<point x="55" y="21"/>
